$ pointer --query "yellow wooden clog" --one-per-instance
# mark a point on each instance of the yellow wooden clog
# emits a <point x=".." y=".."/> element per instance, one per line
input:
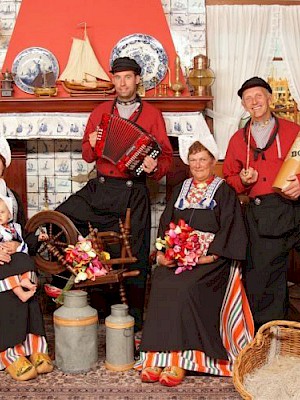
<point x="42" y="363"/>
<point x="21" y="369"/>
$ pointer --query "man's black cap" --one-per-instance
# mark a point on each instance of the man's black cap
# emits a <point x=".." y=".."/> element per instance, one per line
<point x="125" y="64"/>
<point x="253" y="82"/>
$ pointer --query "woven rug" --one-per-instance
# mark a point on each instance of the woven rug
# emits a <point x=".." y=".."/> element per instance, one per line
<point x="101" y="383"/>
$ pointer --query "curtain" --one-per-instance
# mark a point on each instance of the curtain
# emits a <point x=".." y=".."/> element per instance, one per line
<point x="289" y="23"/>
<point x="244" y="38"/>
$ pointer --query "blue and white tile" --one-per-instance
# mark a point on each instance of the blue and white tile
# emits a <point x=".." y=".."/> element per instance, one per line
<point x="50" y="201"/>
<point x="79" y="167"/>
<point x="32" y="148"/>
<point x="32" y="184"/>
<point x="49" y="181"/>
<point x="62" y="148"/>
<point x="46" y="166"/>
<point x="60" y="198"/>
<point x="32" y="166"/>
<point x="62" y="166"/>
<point x="46" y="148"/>
<point x="63" y="184"/>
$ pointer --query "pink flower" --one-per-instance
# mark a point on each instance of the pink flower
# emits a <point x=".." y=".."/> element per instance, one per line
<point x="184" y="245"/>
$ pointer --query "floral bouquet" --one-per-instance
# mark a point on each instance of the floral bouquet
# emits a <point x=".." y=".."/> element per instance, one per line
<point x="86" y="264"/>
<point x="84" y="260"/>
<point x="184" y="245"/>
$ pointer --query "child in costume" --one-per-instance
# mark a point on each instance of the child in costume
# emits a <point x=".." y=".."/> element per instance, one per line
<point x="10" y="230"/>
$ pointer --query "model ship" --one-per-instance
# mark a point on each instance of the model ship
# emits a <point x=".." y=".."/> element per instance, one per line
<point x="44" y="84"/>
<point x="83" y="72"/>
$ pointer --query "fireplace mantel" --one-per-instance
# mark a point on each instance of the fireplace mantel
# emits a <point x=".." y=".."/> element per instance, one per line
<point x="88" y="103"/>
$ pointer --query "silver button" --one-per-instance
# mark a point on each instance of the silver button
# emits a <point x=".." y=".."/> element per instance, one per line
<point x="101" y="179"/>
<point x="129" y="183"/>
<point x="257" y="201"/>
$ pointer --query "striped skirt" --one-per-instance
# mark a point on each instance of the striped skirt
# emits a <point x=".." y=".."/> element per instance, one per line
<point x="236" y="331"/>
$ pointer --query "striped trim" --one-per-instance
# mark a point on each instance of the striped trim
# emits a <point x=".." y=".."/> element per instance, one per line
<point x="9" y="283"/>
<point x="236" y="330"/>
<point x="14" y="281"/>
<point x="32" y="344"/>
<point x="237" y="327"/>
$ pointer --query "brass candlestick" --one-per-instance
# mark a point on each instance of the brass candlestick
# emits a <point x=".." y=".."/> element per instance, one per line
<point x="177" y="86"/>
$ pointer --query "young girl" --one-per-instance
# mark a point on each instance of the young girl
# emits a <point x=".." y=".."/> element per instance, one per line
<point x="23" y="345"/>
<point x="9" y="231"/>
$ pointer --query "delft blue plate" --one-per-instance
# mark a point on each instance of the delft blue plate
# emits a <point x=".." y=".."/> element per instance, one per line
<point x="148" y="53"/>
<point x="30" y="63"/>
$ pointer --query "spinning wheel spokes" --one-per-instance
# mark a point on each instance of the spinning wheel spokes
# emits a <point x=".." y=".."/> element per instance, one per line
<point x="61" y="232"/>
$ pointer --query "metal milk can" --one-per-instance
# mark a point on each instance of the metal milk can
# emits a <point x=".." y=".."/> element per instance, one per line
<point x="119" y="339"/>
<point x="76" y="333"/>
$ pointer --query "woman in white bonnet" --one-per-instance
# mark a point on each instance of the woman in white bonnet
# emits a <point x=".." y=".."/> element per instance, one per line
<point x="21" y="323"/>
<point x="199" y="319"/>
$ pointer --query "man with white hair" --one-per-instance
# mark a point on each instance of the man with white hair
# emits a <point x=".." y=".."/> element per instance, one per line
<point x="254" y="157"/>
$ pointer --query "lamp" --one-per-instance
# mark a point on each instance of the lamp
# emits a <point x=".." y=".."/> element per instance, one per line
<point x="6" y="84"/>
<point x="201" y="77"/>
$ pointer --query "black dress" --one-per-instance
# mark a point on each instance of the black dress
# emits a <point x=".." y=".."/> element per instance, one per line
<point x="17" y="319"/>
<point x="184" y="310"/>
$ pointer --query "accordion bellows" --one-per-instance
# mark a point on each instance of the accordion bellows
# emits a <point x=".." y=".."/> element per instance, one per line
<point x="125" y="144"/>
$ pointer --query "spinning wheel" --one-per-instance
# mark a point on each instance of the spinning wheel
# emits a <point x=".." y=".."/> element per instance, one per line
<point x="61" y="231"/>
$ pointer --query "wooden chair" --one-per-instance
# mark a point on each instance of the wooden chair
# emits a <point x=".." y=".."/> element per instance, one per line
<point x="62" y="232"/>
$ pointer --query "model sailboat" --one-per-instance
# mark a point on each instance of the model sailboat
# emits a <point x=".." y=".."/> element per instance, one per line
<point x="83" y="71"/>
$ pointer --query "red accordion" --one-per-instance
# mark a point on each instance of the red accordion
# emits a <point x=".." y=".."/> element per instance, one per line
<point x="125" y="144"/>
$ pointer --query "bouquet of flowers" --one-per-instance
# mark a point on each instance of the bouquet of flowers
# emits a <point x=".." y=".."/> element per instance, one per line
<point x="85" y="262"/>
<point x="184" y="245"/>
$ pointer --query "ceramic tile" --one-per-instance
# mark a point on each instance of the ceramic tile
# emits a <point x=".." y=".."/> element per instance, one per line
<point x="46" y="166"/>
<point x="62" y="184"/>
<point x="76" y="186"/>
<point x="50" y="202"/>
<point x="32" y="148"/>
<point x="32" y="184"/>
<point x="32" y="167"/>
<point x="50" y="183"/>
<point x="33" y="200"/>
<point x="45" y="148"/>
<point x="79" y="167"/>
<point x="62" y="166"/>
<point x="62" y="147"/>
<point x="60" y="198"/>
<point x="76" y="147"/>
<point x="32" y="211"/>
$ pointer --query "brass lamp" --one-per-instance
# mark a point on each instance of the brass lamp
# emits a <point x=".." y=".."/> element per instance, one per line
<point x="201" y="77"/>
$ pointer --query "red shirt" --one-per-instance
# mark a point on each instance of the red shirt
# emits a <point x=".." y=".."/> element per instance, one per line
<point x="149" y="119"/>
<point x="236" y="155"/>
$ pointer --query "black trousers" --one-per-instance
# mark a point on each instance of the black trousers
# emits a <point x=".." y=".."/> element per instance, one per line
<point x="273" y="227"/>
<point x="102" y="202"/>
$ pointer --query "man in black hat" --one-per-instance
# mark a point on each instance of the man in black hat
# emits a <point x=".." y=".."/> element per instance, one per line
<point x="105" y="199"/>
<point x="253" y="160"/>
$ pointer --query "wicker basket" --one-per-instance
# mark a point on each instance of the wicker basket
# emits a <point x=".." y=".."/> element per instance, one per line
<point x="272" y="339"/>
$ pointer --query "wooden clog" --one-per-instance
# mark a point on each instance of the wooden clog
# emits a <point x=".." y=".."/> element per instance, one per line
<point x="150" y="374"/>
<point x="42" y="363"/>
<point x="21" y="369"/>
<point x="172" y="376"/>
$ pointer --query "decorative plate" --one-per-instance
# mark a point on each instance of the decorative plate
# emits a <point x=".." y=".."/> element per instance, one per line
<point x="148" y="53"/>
<point x="32" y="63"/>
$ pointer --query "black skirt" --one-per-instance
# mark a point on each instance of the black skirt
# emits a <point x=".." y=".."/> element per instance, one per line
<point x="184" y="310"/>
<point x="17" y="319"/>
